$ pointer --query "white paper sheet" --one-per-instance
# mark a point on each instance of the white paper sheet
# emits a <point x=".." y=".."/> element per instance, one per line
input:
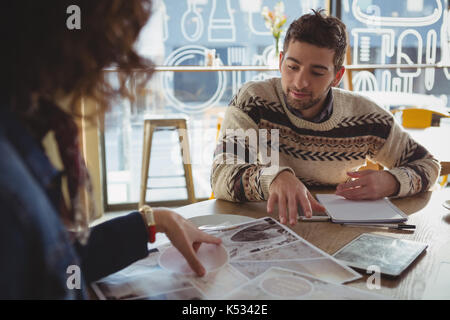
<point x="342" y="210"/>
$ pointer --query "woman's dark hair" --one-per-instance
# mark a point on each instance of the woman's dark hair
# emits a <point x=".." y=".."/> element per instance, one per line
<point x="322" y="31"/>
<point x="42" y="57"/>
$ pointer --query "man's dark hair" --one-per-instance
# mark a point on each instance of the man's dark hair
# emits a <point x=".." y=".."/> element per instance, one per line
<point x="322" y="31"/>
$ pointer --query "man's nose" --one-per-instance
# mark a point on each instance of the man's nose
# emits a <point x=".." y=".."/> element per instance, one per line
<point x="302" y="79"/>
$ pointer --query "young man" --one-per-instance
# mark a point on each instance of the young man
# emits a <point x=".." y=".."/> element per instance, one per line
<point x="325" y="133"/>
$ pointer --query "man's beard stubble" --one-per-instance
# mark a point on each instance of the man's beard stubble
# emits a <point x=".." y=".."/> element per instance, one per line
<point x="305" y="105"/>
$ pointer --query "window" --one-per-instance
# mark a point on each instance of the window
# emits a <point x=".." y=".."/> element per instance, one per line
<point x="408" y="32"/>
<point x="183" y="33"/>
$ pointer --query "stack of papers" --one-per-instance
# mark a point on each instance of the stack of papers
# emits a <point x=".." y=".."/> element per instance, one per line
<point x="266" y="260"/>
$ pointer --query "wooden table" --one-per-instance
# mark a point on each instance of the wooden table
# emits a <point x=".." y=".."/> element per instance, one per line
<point x="424" y="210"/>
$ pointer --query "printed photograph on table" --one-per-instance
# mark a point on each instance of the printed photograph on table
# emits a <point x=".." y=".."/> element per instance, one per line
<point x="262" y="234"/>
<point x="299" y="256"/>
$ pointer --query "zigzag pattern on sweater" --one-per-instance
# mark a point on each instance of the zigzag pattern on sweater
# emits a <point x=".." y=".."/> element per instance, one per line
<point x="422" y="173"/>
<point x="258" y="102"/>
<point x="370" y="118"/>
<point x="231" y="179"/>
<point x="361" y="146"/>
<point x="299" y="150"/>
<point x="322" y="156"/>
<point x="407" y="153"/>
<point x="414" y="181"/>
<point x="252" y="184"/>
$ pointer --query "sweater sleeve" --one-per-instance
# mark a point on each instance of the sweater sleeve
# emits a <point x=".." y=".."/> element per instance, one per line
<point x="243" y="166"/>
<point x="409" y="162"/>
<point x="113" y="245"/>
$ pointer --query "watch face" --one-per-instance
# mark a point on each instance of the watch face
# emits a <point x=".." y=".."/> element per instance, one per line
<point x="147" y="211"/>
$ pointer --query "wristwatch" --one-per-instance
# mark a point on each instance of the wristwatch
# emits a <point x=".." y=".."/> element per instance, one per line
<point x="147" y="213"/>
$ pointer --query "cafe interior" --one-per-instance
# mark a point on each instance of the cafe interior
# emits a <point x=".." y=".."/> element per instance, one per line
<point x="158" y="147"/>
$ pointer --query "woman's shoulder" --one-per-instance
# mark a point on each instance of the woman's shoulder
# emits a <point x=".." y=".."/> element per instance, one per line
<point x="23" y="194"/>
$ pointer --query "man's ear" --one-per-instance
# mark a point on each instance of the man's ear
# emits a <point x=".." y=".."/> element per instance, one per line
<point x="280" y="59"/>
<point x="338" y="76"/>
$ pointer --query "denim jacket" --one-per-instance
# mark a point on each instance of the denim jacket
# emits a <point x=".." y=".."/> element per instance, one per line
<point x="37" y="258"/>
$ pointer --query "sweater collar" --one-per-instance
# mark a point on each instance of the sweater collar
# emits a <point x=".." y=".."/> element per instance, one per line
<point x="323" y="115"/>
<point x="331" y="122"/>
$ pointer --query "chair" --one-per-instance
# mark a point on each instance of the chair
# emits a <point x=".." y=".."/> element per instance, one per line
<point x="420" y="117"/>
<point x="177" y="122"/>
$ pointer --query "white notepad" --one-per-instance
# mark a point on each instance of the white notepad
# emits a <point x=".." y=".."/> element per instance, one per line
<point x="342" y="210"/>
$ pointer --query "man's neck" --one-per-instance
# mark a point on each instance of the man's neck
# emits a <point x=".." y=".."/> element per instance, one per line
<point x="312" y="112"/>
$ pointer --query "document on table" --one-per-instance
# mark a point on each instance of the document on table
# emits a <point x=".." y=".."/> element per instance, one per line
<point x="342" y="210"/>
<point x="283" y="284"/>
<point x="254" y="249"/>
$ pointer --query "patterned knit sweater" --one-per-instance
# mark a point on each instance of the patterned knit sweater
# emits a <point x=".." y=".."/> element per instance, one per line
<point x="319" y="154"/>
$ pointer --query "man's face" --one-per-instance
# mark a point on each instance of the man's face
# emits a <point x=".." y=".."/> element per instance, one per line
<point x="307" y="73"/>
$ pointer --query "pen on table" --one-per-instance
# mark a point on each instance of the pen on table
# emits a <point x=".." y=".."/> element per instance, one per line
<point x="384" y="225"/>
<point x="218" y="227"/>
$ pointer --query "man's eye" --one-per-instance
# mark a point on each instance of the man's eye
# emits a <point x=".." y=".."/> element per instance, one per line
<point x="292" y="67"/>
<point x="317" y="74"/>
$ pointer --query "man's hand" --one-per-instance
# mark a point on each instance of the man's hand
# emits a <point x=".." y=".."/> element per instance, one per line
<point x="368" y="185"/>
<point x="288" y="191"/>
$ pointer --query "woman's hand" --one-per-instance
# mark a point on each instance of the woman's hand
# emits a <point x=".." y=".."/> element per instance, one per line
<point x="184" y="235"/>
